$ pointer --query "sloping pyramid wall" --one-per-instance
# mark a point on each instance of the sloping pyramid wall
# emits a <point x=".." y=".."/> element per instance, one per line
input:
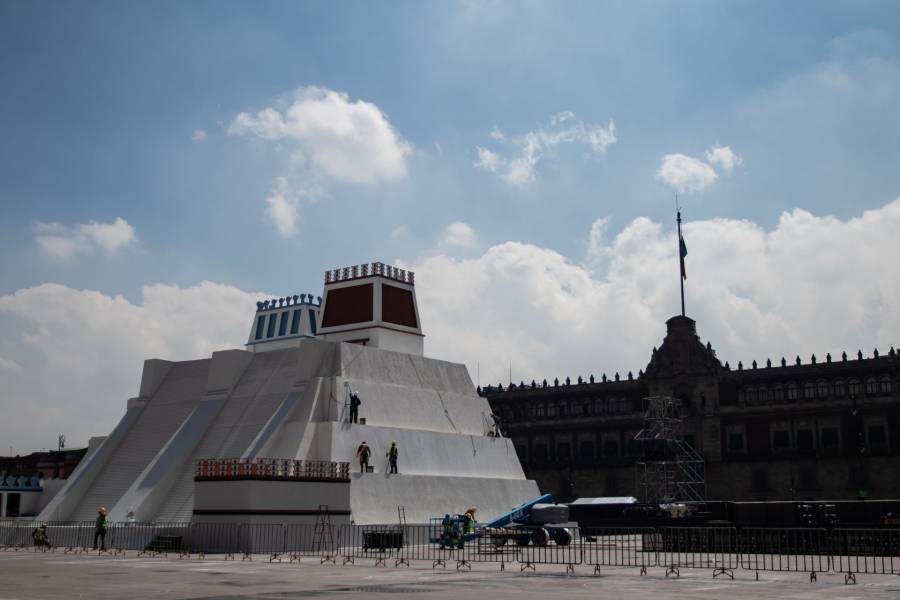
<point x="292" y="403"/>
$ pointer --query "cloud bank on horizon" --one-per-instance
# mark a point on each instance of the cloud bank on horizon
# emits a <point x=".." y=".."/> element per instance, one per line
<point x="755" y="294"/>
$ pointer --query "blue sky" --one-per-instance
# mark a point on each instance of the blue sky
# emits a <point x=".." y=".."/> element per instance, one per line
<point x="104" y="105"/>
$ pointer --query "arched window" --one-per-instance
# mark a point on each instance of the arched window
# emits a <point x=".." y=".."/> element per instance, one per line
<point x="778" y="393"/>
<point x="809" y="390"/>
<point x="748" y="395"/>
<point x="871" y="386"/>
<point x="822" y="388"/>
<point x="792" y="391"/>
<point x="885" y="384"/>
<point x="840" y="388"/>
<point x="853" y="387"/>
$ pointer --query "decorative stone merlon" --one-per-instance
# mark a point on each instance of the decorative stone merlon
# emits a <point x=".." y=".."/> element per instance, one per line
<point x="375" y="269"/>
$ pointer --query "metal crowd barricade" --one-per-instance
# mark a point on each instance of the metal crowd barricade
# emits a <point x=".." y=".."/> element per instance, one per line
<point x="410" y="543"/>
<point x="124" y="536"/>
<point x="803" y="550"/>
<point x="501" y="545"/>
<point x="544" y="549"/>
<point x="211" y="538"/>
<point x="873" y="551"/>
<point x="713" y="548"/>
<point x="440" y="549"/>
<point x="380" y="542"/>
<point x="74" y="537"/>
<point x="619" y="547"/>
<point x="262" y="538"/>
<point x="306" y="539"/>
<point x="158" y="539"/>
<point x="7" y="534"/>
<point x="17" y="535"/>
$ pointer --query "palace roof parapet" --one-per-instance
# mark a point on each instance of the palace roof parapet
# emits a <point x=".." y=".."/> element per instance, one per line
<point x="375" y="269"/>
<point x="295" y="300"/>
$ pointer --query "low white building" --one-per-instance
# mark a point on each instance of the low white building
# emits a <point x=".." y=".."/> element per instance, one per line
<point x="265" y="431"/>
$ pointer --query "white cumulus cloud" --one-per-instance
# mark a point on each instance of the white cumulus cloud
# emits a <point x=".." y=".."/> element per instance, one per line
<point x="723" y="158"/>
<point x="345" y="140"/>
<point x="198" y="135"/>
<point x="63" y="243"/>
<point x="519" y="169"/>
<point x="685" y="174"/>
<point x="329" y="138"/>
<point x="282" y="209"/>
<point x="459" y="235"/>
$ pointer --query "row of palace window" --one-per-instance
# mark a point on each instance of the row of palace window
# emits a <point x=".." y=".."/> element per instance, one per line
<point x="806" y="478"/>
<point x="267" y="328"/>
<point x="822" y="388"/>
<point x="610" y="446"/>
<point x="809" y="438"/>
<point x="562" y="409"/>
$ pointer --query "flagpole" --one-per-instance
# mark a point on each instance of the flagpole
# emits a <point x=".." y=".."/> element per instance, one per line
<point x="680" y="257"/>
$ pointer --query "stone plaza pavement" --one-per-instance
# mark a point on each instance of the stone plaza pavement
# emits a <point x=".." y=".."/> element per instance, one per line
<point x="27" y="575"/>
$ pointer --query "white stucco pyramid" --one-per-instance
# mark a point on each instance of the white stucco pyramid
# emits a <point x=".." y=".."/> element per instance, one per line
<point x="291" y="402"/>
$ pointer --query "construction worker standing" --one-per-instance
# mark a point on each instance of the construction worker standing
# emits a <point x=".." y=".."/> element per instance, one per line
<point x="354" y="407"/>
<point x="100" y="529"/>
<point x="447" y="531"/>
<point x="363" y="453"/>
<point x="392" y="455"/>
<point x="469" y="517"/>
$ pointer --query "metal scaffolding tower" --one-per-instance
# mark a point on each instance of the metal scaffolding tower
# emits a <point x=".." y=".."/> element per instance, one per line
<point x="669" y="469"/>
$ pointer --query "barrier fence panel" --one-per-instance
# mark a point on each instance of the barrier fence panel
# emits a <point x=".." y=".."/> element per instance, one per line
<point x="619" y="547"/>
<point x="7" y="534"/>
<point x="416" y="544"/>
<point x="17" y="534"/>
<point x="130" y="536"/>
<point x="212" y="538"/>
<point x="58" y="534"/>
<point x="75" y="537"/>
<point x="865" y="551"/>
<point x="315" y="540"/>
<point x="500" y="545"/>
<point x="450" y="547"/>
<point x="262" y="538"/>
<point x="549" y="546"/>
<point x="785" y="549"/>
<point x="713" y="548"/>
<point x="381" y="542"/>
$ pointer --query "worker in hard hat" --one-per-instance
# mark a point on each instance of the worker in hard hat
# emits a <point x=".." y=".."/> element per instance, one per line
<point x="100" y="529"/>
<point x="392" y="454"/>
<point x="469" y="517"/>
<point x="354" y="406"/>
<point x="39" y="535"/>
<point x="446" y="530"/>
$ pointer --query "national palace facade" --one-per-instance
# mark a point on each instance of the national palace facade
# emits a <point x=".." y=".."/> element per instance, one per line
<point x="824" y="428"/>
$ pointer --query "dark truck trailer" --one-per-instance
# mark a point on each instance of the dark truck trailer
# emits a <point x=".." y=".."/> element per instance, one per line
<point x="821" y="514"/>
